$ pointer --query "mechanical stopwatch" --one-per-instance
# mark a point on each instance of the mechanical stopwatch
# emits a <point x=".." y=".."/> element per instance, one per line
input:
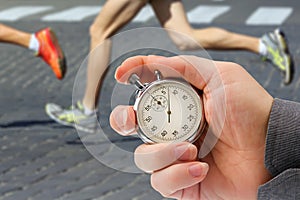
<point x="168" y="110"/>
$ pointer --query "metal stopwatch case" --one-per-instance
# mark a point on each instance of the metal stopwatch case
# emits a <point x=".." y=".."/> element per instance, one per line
<point x="168" y="110"/>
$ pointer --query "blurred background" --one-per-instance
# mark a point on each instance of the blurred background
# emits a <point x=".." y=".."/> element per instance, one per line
<point x="40" y="159"/>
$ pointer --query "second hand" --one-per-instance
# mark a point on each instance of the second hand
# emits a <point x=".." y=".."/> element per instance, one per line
<point x="169" y="110"/>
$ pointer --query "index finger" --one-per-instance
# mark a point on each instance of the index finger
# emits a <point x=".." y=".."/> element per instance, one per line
<point x="198" y="71"/>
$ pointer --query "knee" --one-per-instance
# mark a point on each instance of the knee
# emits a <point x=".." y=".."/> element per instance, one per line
<point x="97" y="33"/>
<point x="184" y="41"/>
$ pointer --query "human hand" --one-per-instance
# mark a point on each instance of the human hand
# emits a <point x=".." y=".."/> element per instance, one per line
<point x="236" y="162"/>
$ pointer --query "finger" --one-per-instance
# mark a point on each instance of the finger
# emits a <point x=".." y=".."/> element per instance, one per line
<point x="178" y="177"/>
<point x="122" y="120"/>
<point x="193" y="192"/>
<point x="197" y="71"/>
<point x="154" y="157"/>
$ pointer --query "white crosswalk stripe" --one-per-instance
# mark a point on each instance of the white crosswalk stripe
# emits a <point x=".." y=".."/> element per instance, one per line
<point x="73" y="14"/>
<point x="269" y="16"/>
<point x="16" y="13"/>
<point x="202" y="14"/>
<point x="206" y="14"/>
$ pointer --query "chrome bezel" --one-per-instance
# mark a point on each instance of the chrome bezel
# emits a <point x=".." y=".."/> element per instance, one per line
<point x="202" y="125"/>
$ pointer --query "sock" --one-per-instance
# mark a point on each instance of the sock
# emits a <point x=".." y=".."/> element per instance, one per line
<point x="87" y="111"/>
<point x="34" y="44"/>
<point x="262" y="48"/>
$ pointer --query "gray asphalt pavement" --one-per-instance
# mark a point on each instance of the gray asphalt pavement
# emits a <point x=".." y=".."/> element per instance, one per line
<point x="40" y="159"/>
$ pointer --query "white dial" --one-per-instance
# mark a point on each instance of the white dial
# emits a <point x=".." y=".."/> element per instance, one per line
<point x="169" y="111"/>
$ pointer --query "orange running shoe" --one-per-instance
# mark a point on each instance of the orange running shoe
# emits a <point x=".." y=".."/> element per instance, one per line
<point x="51" y="52"/>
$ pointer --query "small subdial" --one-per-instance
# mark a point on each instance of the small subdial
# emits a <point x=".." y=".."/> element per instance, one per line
<point x="159" y="103"/>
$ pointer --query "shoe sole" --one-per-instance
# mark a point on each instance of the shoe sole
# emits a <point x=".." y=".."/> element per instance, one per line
<point x="289" y="73"/>
<point x="49" y="113"/>
<point x="60" y="53"/>
<point x="53" y="117"/>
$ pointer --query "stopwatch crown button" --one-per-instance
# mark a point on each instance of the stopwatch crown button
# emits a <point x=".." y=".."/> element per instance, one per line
<point x="135" y="80"/>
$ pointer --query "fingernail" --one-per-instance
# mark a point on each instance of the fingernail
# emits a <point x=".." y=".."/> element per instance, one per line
<point x="199" y="169"/>
<point x="121" y="115"/>
<point x="180" y="150"/>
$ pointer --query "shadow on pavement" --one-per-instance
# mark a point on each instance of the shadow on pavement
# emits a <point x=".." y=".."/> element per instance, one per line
<point x="26" y="123"/>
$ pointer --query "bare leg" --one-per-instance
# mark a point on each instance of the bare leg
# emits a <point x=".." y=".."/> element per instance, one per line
<point x="97" y="63"/>
<point x="171" y="15"/>
<point x="113" y="16"/>
<point x="11" y="35"/>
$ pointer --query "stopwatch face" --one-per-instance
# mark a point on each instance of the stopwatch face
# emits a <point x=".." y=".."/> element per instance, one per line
<point x="169" y="111"/>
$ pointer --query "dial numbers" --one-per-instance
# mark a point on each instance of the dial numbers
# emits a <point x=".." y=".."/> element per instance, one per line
<point x="170" y="111"/>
